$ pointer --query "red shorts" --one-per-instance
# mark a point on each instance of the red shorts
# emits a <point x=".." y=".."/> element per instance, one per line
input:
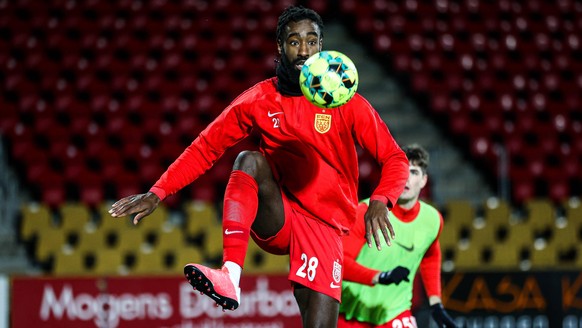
<point x="403" y="320"/>
<point x="315" y="251"/>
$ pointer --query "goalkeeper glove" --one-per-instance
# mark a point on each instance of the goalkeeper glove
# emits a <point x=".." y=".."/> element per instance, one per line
<point x="394" y="276"/>
<point x="440" y="315"/>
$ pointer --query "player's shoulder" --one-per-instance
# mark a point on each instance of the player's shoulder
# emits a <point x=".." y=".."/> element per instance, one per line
<point x="358" y="101"/>
<point x="259" y="90"/>
<point x="430" y="210"/>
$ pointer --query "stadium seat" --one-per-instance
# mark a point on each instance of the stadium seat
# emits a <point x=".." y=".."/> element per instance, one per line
<point x="170" y="240"/>
<point x="69" y="264"/>
<point x="459" y="213"/>
<point x="470" y="258"/>
<point x="212" y="244"/>
<point x="184" y="255"/>
<point x="89" y="241"/>
<point x="504" y="257"/>
<point x="199" y="216"/>
<point x="49" y="242"/>
<point x="75" y="217"/>
<point x="150" y="263"/>
<point x="109" y="262"/>
<point x="545" y="258"/>
<point x="36" y="218"/>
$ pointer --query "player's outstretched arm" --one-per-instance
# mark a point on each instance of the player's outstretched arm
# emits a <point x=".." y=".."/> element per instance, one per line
<point x="376" y="217"/>
<point x="142" y="204"/>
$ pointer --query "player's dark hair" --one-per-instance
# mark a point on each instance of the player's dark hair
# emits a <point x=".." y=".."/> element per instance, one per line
<point x="296" y="14"/>
<point x="417" y="155"/>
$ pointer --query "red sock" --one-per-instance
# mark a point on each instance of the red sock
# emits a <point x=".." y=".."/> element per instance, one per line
<point x="240" y="209"/>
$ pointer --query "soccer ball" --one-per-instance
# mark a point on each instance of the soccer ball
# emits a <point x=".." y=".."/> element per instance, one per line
<point x="328" y="79"/>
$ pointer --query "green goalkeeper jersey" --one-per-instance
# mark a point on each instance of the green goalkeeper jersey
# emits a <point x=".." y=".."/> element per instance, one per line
<point x="381" y="303"/>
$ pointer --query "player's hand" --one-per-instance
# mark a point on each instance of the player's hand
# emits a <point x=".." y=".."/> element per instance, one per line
<point x="142" y="204"/>
<point x="376" y="218"/>
<point x="394" y="276"/>
<point x="440" y="315"/>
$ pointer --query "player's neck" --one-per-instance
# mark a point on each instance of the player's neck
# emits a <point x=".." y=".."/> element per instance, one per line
<point x="409" y="204"/>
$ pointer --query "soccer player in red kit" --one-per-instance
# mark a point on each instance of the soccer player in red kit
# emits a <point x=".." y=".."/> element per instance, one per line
<point x="298" y="194"/>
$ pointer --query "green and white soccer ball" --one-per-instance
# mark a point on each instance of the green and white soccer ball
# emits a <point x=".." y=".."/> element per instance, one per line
<point x="329" y="79"/>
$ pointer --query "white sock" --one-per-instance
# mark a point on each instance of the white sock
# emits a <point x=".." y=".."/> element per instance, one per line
<point x="234" y="271"/>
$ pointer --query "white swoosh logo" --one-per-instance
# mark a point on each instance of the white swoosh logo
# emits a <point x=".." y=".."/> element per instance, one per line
<point x="273" y="114"/>
<point x="332" y="285"/>
<point x="226" y="232"/>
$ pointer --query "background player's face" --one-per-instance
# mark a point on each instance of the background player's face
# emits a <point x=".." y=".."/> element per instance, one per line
<point x="302" y="39"/>
<point x="416" y="181"/>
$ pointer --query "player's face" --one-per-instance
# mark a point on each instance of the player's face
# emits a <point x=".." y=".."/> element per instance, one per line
<point x="302" y="39"/>
<point x="416" y="181"/>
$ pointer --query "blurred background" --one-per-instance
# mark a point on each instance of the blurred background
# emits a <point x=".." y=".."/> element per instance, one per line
<point x="97" y="98"/>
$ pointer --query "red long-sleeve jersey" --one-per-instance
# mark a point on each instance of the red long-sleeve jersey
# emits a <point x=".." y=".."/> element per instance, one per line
<point x="311" y="151"/>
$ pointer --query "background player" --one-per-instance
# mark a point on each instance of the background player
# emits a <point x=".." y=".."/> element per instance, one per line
<point x="418" y="226"/>
<point x="296" y="196"/>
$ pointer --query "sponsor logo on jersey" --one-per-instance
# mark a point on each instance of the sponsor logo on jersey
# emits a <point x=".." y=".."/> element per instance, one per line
<point x="406" y="248"/>
<point x="273" y="114"/>
<point x="322" y="123"/>
<point x="337" y="271"/>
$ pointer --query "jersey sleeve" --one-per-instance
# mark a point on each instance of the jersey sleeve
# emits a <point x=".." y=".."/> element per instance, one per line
<point x="430" y="266"/>
<point x="353" y="243"/>
<point x="373" y="135"/>
<point x="231" y="126"/>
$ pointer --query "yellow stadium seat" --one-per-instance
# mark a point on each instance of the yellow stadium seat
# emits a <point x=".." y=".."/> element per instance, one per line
<point x="170" y="240"/>
<point x="212" y="244"/>
<point x="485" y="236"/>
<point x="199" y="215"/>
<point x="75" y="217"/>
<point x="154" y="222"/>
<point x="92" y="240"/>
<point x="578" y="260"/>
<point x="504" y="257"/>
<point x="497" y="212"/>
<point x="152" y="262"/>
<point x="573" y="210"/>
<point x="567" y="236"/>
<point x="35" y="217"/>
<point x="540" y="214"/>
<point x="129" y="241"/>
<point x="183" y="256"/>
<point x="520" y="235"/>
<point x="546" y="258"/>
<point x="450" y="236"/>
<point x="109" y="262"/>
<point x="69" y="263"/>
<point x="459" y="213"/>
<point x="50" y="241"/>
<point x="468" y="259"/>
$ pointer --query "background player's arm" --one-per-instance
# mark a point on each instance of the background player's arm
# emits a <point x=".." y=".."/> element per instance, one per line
<point x="430" y="272"/>
<point x="353" y="243"/>
<point x="354" y="271"/>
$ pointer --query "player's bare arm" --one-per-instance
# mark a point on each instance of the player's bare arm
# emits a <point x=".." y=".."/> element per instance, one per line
<point x="376" y="217"/>
<point x="142" y="204"/>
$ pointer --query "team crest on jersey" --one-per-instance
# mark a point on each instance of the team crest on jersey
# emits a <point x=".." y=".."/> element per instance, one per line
<point x="322" y="122"/>
<point x="337" y="271"/>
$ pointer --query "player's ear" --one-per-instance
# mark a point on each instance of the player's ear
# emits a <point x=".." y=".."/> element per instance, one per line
<point x="320" y="44"/>
<point x="279" y="48"/>
<point x="424" y="180"/>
